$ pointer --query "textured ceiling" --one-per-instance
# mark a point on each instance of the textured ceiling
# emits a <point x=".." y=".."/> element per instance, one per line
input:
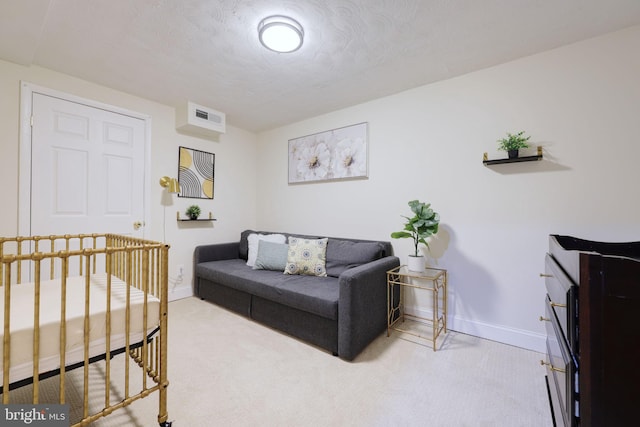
<point x="207" y="51"/>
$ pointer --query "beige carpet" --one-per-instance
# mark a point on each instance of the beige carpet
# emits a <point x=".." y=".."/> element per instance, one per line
<point x="226" y="370"/>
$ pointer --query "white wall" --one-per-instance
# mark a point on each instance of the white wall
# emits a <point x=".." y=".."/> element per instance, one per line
<point x="234" y="203"/>
<point x="580" y="102"/>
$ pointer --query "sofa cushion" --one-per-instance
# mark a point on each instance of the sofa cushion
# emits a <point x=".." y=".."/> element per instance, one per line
<point x="253" y="240"/>
<point x="271" y="256"/>
<point x="307" y="257"/>
<point x="344" y="254"/>
<point x="317" y="295"/>
<point x="243" y="248"/>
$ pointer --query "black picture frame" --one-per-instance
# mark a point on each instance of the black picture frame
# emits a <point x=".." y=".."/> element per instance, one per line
<point x="196" y="171"/>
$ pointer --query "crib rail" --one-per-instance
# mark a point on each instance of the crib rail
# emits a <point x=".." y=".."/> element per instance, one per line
<point x="141" y="264"/>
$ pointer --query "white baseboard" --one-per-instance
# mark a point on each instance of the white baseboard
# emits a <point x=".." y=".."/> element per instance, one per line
<point x="504" y="334"/>
<point x="180" y="292"/>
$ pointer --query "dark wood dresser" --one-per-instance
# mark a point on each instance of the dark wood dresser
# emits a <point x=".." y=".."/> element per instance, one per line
<point x="592" y="316"/>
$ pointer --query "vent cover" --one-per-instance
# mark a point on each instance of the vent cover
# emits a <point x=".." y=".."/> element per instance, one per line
<point x="195" y="119"/>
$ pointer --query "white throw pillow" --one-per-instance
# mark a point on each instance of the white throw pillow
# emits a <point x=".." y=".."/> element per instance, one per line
<point x="253" y="239"/>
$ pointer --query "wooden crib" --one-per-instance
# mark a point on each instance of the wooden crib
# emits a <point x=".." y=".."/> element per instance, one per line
<point x="72" y="300"/>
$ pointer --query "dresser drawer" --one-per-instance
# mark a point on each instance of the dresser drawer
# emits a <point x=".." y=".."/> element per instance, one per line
<point x="554" y="389"/>
<point x="561" y="371"/>
<point x="563" y="300"/>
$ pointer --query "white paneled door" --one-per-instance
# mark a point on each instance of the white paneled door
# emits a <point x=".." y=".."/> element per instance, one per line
<point x="87" y="169"/>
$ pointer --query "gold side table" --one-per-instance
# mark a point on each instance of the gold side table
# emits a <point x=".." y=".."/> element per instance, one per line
<point x="433" y="280"/>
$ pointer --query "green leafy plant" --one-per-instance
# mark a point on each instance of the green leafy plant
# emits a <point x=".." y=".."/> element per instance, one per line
<point x="193" y="211"/>
<point x="513" y="142"/>
<point x="423" y="224"/>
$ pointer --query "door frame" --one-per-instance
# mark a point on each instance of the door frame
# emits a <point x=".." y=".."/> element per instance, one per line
<point x="24" y="178"/>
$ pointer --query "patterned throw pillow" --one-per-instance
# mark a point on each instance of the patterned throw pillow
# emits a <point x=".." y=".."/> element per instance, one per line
<point x="307" y="257"/>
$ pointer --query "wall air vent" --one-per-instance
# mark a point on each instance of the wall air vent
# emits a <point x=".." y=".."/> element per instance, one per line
<point x="201" y="121"/>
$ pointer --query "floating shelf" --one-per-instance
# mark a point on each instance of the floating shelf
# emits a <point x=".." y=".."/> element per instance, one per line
<point x="211" y="218"/>
<point x="488" y="162"/>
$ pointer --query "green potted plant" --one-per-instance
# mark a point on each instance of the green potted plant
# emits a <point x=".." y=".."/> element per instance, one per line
<point x="193" y="211"/>
<point x="513" y="143"/>
<point x="423" y="224"/>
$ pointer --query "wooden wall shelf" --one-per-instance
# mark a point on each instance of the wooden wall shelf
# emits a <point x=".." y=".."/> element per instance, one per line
<point x="211" y="218"/>
<point x="488" y="162"/>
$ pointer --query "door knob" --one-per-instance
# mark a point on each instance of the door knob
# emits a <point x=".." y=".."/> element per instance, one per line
<point x="137" y="225"/>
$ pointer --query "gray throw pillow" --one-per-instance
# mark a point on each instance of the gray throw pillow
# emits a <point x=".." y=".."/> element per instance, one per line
<point x="271" y="256"/>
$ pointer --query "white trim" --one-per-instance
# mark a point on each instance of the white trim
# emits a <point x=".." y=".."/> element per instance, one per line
<point x="504" y="334"/>
<point x="24" y="180"/>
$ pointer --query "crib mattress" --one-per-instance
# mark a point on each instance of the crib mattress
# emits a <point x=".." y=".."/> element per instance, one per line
<point x="22" y="318"/>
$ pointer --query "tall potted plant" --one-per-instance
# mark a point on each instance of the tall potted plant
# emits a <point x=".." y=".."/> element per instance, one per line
<point x="423" y="224"/>
<point x="513" y="143"/>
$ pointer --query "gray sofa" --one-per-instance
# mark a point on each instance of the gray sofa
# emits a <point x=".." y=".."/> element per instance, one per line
<point x="342" y="312"/>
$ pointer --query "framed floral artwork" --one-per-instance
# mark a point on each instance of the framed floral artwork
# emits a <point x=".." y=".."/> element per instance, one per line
<point x="331" y="155"/>
<point x="195" y="173"/>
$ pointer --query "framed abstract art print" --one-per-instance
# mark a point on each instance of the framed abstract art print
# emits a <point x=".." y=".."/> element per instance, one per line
<point x="195" y="173"/>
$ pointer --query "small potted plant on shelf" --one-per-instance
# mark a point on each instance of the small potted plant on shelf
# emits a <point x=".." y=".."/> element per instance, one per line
<point x="193" y="211"/>
<point x="513" y="143"/>
<point x="421" y="226"/>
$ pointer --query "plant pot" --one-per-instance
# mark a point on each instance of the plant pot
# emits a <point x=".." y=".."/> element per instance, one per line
<point x="513" y="154"/>
<point x="194" y="217"/>
<point x="416" y="263"/>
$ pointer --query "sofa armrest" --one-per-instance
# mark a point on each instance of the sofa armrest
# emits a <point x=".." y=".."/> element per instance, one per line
<point x="362" y="305"/>
<point x="216" y="252"/>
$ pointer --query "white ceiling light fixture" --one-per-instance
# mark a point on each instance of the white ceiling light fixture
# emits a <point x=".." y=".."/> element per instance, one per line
<point x="280" y="33"/>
